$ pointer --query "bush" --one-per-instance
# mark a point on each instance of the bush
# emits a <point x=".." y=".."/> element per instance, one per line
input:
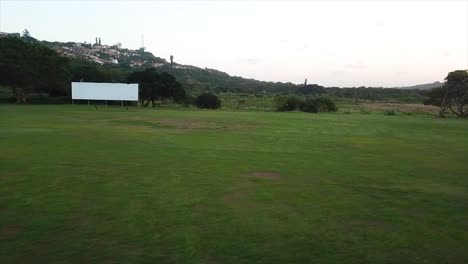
<point x="310" y="105"/>
<point x="389" y="112"/>
<point x="207" y="101"/>
<point x="326" y="105"/>
<point x="289" y="103"/>
<point x="187" y="101"/>
<point x="316" y="105"/>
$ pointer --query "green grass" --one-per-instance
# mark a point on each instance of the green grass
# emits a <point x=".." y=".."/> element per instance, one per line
<point x="172" y="186"/>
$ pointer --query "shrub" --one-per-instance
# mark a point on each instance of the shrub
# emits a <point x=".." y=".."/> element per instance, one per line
<point x="389" y="112"/>
<point x="310" y="106"/>
<point x="207" y="101"/>
<point x="326" y="105"/>
<point x="289" y="103"/>
<point x="187" y="101"/>
<point x="316" y="105"/>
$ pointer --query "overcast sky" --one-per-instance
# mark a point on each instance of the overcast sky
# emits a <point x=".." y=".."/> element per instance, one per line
<point x="332" y="43"/>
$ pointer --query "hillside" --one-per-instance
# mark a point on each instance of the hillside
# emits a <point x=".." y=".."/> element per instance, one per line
<point x="426" y="86"/>
<point x="195" y="78"/>
<point x="112" y="63"/>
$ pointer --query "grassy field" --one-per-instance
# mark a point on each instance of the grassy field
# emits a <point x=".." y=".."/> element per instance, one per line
<point x="172" y="186"/>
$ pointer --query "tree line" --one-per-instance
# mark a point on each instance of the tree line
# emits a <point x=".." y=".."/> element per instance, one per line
<point x="31" y="68"/>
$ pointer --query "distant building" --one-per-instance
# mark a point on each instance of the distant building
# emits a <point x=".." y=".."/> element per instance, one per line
<point x="5" y="34"/>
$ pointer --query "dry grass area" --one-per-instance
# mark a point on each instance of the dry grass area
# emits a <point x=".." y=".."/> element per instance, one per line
<point x="407" y="108"/>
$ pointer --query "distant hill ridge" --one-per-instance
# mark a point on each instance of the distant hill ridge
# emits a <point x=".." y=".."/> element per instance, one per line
<point x="426" y="86"/>
<point x="192" y="76"/>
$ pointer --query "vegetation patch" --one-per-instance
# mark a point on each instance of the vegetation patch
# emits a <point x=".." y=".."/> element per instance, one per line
<point x="408" y="108"/>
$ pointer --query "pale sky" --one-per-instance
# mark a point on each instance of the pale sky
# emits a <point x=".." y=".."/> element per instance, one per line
<point x="332" y="43"/>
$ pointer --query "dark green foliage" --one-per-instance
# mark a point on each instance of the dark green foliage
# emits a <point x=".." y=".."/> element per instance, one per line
<point x="326" y="105"/>
<point x="208" y="101"/>
<point x="436" y="97"/>
<point x="389" y="112"/>
<point x="453" y="95"/>
<point x="87" y="71"/>
<point x="317" y="105"/>
<point x="288" y="103"/>
<point x="155" y="86"/>
<point x="309" y="105"/>
<point x="32" y="67"/>
<point x="187" y="101"/>
<point x="311" y="89"/>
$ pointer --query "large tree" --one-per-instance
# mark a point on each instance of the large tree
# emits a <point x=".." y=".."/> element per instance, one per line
<point x="154" y="86"/>
<point x="453" y="95"/>
<point x="32" y="67"/>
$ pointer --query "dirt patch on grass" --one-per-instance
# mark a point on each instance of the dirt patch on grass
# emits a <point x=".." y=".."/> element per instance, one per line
<point x="374" y="225"/>
<point x="188" y="124"/>
<point x="9" y="175"/>
<point x="181" y="124"/>
<point x="263" y="175"/>
<point x="241" y="190"/>
<point x="235" y="196"/>
<point x="9" y="232"/>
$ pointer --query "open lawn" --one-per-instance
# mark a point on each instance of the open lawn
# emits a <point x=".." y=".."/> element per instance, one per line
<point x="186" y="186"/>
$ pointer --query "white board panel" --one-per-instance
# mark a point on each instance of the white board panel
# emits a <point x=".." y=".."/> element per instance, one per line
<point x="104" y="91"/>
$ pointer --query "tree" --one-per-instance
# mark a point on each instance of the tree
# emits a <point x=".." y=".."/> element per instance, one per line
<point x="311" y="89"/>
<point x="436" y="98"/>
<point x="87" y="71"/>
<point x="32" y="67"/>
<point x="208" y="101"/>
<point x="154" y="85"/>
<point x="453" y="95"/>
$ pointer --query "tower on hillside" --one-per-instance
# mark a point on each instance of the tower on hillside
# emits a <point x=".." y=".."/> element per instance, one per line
<point x="172" y="60"/>
<point x="99" y="41"/>
<point x="305" y="82"/>
<point x="142" y="42"/>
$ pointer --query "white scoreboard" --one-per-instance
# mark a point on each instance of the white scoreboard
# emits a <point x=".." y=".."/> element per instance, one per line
<point x="104" y="91"/>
